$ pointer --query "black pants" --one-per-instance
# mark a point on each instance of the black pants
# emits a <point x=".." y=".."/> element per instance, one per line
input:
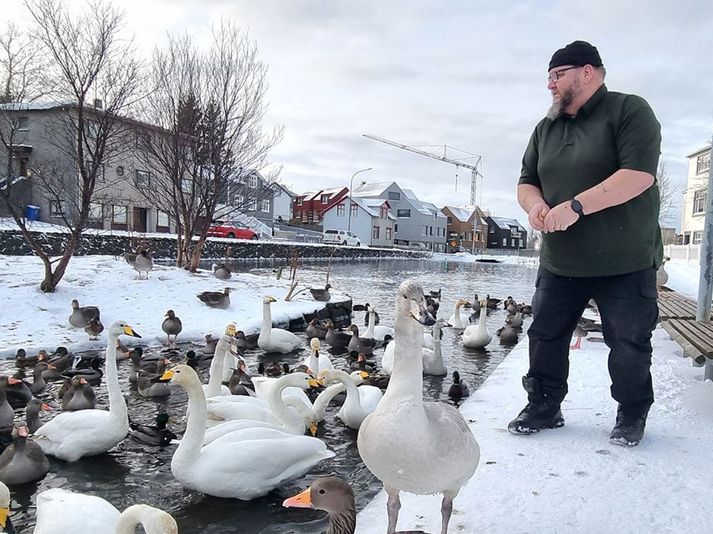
<point x="629" y="311"/>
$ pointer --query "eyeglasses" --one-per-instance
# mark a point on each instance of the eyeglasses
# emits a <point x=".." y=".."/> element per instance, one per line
<point x="555" y="75"/>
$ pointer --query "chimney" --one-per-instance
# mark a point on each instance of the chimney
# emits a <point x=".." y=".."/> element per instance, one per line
<point x="98" y="103"/>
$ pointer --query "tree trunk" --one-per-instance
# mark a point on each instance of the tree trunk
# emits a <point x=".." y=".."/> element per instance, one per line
<point x="197" y="252"/>
<point x="51" y="279"/>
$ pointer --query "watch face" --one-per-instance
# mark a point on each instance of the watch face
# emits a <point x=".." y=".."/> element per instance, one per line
<point x="577" y="206"/>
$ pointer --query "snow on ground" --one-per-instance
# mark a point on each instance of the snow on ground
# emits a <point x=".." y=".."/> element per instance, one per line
<point x="34" y="320"/>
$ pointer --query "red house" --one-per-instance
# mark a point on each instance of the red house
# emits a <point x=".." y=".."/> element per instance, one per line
<point x="308" y="208"/>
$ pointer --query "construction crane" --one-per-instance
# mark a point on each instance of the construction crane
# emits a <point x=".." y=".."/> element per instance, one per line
<point x="475" y="171"/>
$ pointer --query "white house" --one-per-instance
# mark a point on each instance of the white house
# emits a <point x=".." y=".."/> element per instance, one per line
<point x="694" y="199"/>
<point x="282" y="202"/>
<point x="370" y="219"/>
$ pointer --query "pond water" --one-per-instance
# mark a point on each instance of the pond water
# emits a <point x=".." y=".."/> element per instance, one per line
<point x="133" y="472"/>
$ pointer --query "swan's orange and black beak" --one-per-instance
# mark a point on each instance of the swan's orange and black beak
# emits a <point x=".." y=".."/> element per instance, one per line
<point x="301" y="500"/>
<point x="3" y="516"/>
<point x="130" y="331"/>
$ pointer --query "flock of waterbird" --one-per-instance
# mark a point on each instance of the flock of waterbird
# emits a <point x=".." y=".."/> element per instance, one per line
<point x="242" y="416"/>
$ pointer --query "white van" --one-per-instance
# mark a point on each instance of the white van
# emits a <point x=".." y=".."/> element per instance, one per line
<point x="340" y="237"/>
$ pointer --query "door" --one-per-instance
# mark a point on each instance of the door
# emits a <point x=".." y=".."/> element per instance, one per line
<point x="140" y="219"/>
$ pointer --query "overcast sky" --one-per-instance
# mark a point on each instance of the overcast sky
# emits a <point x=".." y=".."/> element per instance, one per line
<point x="468" y="74"/>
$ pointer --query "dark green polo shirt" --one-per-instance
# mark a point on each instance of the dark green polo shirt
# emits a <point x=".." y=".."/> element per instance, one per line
<point x="569" y="155"/>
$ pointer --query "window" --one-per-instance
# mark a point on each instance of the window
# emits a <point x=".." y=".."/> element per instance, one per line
<point x="23" y="124"/>
<point x="252" y="205"/>
<point x="96" y="212"/>
<point x="89" y="166"/>
<point x="266" y="206"/>
<point x="384" y="212"/>
<point x="375" y="232"/>
<point x="699" y="201"/>
<point x="324" y="199"/>
<point x="143" y="178"/>
<point x="56" y="208"/>
<point x="340" y="210"/>
<point x="143" y="140"/>
<point x="396" y="228"/>
<point x="450" y="220"/>
<point x="239" y="199"/>
<point x="703" y="163"/>
<point x="252" y="181"/>
<point x="118" y="214"/>
<point x="697" y="238"/>
<point x="299" y="200"/>
<point x="91" y="128"/>
<point x="403" y="214"/>
<point x="505" y="241"/>
<point x="394" y="195"/>
<point x="162" y="218"/>
<point x="186" y="185"/>
<point x="388" y="233"/>
<point x="425" y="230"/>
<point x="430" y="230"/>
<point x="354" y="209"/>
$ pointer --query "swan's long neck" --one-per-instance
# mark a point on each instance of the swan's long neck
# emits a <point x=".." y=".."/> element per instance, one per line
<point x="372" y="323"/>
<point x="323" y="399"/>
<point x="142" y="514"/>
<point x="352" y="401"/>
<point x="192" y="440"/>
<point x="264" y="337"/>
<point x="216" y="372"/>
<point x="278" y="407"/>
<point x="407" y="374"/>
<point x="456" y="322"/>
<point x="482" y="326"/>
<point x="117" y="404"/>
<point x="437" y="354"/>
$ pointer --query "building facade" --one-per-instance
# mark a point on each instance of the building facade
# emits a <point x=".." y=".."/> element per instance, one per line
<point x="417" y="222"/>
<point x="282" y="203"/>
<point x="308" y="207"/>
<point x="695" y="197"/>
<point x="369" y="219"/>
<point x="466" y="228"/>
<point x="505" y="233"/>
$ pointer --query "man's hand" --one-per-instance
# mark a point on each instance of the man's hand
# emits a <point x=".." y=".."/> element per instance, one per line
<point x="560" y="218"/>
<point x="536" y="216"/>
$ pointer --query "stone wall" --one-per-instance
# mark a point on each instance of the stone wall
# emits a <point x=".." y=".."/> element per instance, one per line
<point x="13" y="244"/>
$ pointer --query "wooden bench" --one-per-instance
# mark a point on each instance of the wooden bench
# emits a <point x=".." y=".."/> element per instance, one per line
<point x="673" y="305"/>
<point x="696" y="339"/>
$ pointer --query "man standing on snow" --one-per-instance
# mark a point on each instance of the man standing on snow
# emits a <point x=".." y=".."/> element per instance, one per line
<point x="588" y="183"/>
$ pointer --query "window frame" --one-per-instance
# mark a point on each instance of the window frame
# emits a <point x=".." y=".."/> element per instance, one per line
<point x="394" y="195"/>
<point x="341" y="209"/>
<point x="699" y="201"/>
<point x="159" y="215"/>
<point x="140" y="183"/>
<point x="703" y="163"/>
<point x="265" y="206"/>
<point x="56" y="213"/>
<point x="116" y="212"/>
<point x="23" y="123"/>
<point x="404" y="213"/>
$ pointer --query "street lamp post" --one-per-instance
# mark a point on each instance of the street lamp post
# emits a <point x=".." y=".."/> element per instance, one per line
<point x="351" y="183"/>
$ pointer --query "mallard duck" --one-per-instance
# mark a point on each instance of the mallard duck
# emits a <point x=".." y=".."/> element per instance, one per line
<point x="156" y="436"/>
<point x="80" y="396"/>
<point x="477" y="337"/>
<point x="525" y="309"/>
<point x="240" y="383"/>
<point x="82" y="316"/>
<point x="216" y="299"/>
<point x="32" y="414"/>
<point x="232" y="466"/>
<point x="22" y="360"/>
<point x="315" y="329"/>
<point x="143" y="264"/>
<point x="60" y="511"/>
<point x="149" y="384"/>
<point x="492" y="302"/>
<point x="71" y="435"/>
<point x="421" y="448"/>
<point x="221" y="271"/>
<point x="435" y="294"/>
<point x="432" y="306"/>
<point x="60" y="361"/>
<point x="171" y="326"/>
<point x="458" y="389"/>
<point x="246" y="342"/>
<point x="94" y="328"/>
<point x="23" y="461"/>
<point x="275" y="339"/>
<point x="321" y="294"/>
<point x="193" y="360"/>
<point x="333" y="496"/>
<point x="360" y="345"/>
<point x="336" y="338"/>
<point x="210" y="343"/>
<point x="5" y="521"/>
<point x="93" y="374"/>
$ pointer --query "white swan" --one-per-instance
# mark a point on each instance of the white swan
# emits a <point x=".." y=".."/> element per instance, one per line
<point x="317" y="361"/>
<point x="222" y="358"/>
<point x="459" y="319"/>
<point x="5" y="500"/>
<point x="374" y="331"/>
<point x="71" y="435"/>
<point x="409" y="445"/>
<point x="60" y="511"/>
<point x="477" y="337"/>
<point x="360" y="401"/>
<point x="244" y="464"/>
<point x="275" y="339"/>
<point x="432" y="358"/>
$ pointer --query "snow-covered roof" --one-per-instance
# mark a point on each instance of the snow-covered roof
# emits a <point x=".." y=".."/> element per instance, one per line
<point x="34" y="106"/>
<point x="330" y="192"/>
<point x="462" y="213"/>
<point x="371" y="189"/>
<point x="505" y="224"/>
<point x="278" y="185"/>
<point x="375" y="204"/>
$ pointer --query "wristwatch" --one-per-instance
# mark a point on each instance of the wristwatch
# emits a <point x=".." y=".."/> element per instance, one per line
<point x="576" y="206"/>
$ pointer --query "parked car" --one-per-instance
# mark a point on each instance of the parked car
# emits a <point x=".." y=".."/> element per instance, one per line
<point x="340" y="237"/>
<point x="231" y="230"/>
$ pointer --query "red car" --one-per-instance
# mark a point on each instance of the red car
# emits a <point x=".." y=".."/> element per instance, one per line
<point x="232" y="230"/>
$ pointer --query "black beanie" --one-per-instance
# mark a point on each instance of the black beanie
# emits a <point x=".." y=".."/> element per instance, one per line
<point x="578" y="53"/>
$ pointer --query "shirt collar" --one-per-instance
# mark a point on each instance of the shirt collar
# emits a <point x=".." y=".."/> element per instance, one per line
<point x="593" y="101"/>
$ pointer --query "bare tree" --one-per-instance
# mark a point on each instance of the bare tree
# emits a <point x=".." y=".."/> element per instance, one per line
<point x="92" y="77"/>
<point x="669" y="193"/>
<point x="210" y="105"/>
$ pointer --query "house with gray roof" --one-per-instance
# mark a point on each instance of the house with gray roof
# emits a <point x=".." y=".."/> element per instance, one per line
<point x="416" y="221"/>
<point x="370" y="219"/>
<point x="506" y="233"/>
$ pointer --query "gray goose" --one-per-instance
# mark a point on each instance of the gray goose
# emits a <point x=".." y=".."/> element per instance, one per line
<point x="246" y="342"/>
<point x="39" y="384"/>
<point x="32" y="414"/>
<point x="7" y="414"/>
<point x="216" y="299"/>
<point x="23" y="461"/>
<point x="149" y="384"/>
<point x="82" y="315"/>
<point x="210" y="344"/>
<point x="171" y="326"/>
<point x="80" y="396"/>
<point x="221" y="271"/>
<point x="314" y="329"/>
<point x="143" y="264"/>
<point x="360" y="345"/>
<point x="335" y="497"/>
<point x="320" y="294"/>
<point x="335" y="338"/>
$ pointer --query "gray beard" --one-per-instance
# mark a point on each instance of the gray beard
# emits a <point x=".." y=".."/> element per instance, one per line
<point x="555" y="111"/>
<point x="558" y="106"/>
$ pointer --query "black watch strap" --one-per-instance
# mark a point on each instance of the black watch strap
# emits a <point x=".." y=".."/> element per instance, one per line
<point x="576" y="206"/>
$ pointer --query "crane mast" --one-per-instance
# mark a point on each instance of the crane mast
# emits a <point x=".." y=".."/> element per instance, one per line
<point x="474" y="168"/>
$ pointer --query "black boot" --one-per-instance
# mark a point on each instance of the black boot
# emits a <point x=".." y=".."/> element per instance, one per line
<point x="629" y="428"/>
<point x="542" y="410"/>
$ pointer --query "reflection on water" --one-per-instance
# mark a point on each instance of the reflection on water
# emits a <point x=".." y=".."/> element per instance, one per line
<point x="133" y="472"/>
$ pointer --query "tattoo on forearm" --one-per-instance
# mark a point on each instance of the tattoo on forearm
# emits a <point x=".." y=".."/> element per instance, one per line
<point x="603" y="189"/>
